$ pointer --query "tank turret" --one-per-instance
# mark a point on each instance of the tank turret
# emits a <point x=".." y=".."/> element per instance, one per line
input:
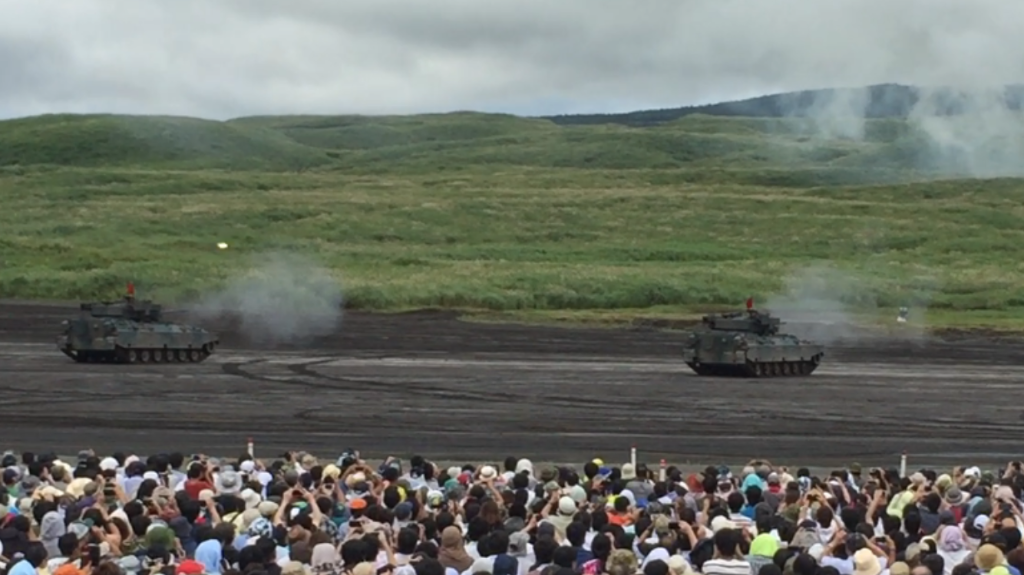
<point x="750" y="321"/>
<point x="748" y="344"/>
<point x="132" y="330"/>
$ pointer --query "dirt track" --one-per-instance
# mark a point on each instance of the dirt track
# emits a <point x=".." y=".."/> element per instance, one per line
<point x="431" y="384"/>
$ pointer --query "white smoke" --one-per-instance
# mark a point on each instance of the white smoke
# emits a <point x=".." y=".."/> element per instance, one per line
<point x="830" y="306"/>
<point x="835" y="114"/>
<point x="820" y="304"/>
<point x="281" y="299"/>
<point x="965" y="130"/>
<point x="986" y="139"/>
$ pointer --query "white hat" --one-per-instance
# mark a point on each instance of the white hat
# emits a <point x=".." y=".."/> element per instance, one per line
<point x="229" y="482"/>
<point x="247" y="466"/>
<point x="108" y="464"/>
<point x="578" y="494"/>
<point x="524" y="465"/>
<point x="721" y="522"/>
<point x="251" y="498"/>
<point x="677" y="565"/>
<point x="865" y="563"/>
<point x="566" y="506"/>
<point x="628" y="472"/>
<point x="488" y="472"/>
<point x="816" y="551"/>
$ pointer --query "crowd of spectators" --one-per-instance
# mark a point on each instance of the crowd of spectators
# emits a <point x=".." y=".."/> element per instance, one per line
<point x="171" y="514"/>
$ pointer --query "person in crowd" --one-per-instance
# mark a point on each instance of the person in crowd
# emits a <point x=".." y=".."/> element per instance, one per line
<point x="169" y="514"/>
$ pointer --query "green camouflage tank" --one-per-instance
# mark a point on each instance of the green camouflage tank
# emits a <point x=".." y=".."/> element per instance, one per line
<point x="132" y="331"/>
<point x="748" y="344"/>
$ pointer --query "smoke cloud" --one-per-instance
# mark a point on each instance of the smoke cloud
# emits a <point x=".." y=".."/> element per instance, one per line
<point x="282" y="299"/>
<point x="829" y="306"/>
<point x="986" y="139"/>
<point x="962" y="129"/>
<point x="818" y="304"/>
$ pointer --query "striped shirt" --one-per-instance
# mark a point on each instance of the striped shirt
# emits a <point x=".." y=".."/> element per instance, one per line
<point x="726" y="567"/>
<point x="742" y="521"/>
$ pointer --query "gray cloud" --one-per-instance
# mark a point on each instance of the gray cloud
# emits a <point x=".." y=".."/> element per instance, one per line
<point x="228" y="58"/>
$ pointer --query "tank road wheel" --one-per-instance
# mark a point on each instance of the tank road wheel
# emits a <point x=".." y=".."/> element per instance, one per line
<point x="192" y="355"/>
<point x="141" y="355"/>
<point x="775" y="369"/>
<point x="787" y="368"/>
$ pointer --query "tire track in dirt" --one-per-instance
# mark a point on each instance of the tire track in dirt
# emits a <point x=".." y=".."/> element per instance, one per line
<point x="544" y="402"/>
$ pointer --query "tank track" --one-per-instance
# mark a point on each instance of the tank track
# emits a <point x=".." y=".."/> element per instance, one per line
<point x="758" y="370"/>
<point x="143" y="356"/>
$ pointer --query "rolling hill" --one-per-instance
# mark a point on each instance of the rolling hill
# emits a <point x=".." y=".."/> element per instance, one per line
<point x="663" y="211"/>
<point x="776" y="132"/>
<point x="894" y="101"/>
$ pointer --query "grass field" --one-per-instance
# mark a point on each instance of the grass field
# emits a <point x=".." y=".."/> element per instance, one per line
<point x="509" y="215"/>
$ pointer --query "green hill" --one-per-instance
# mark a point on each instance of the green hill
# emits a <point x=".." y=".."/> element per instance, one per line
<point x="893" y="101"/>
<point x="548" y="216"/>
<point x="769" y="131"/>
<point x="150" y="141"/>
<point x="752" y="150"/>
<point x="369" y="132"/>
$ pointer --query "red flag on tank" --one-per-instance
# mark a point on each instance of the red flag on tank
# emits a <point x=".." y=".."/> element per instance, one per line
<point x="750" y="303"/>
<point x="131" y="288"/>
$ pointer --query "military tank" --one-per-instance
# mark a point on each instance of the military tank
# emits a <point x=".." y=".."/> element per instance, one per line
<point x="748" y="344"/>
<point x="132" y="331"/>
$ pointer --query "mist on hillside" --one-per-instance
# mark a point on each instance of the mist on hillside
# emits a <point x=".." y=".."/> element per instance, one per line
<point x="969" y="130"/>
<point x="404" y="56"/>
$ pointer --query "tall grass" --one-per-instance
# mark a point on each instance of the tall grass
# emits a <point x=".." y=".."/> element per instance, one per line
<point x="499" y="213"/>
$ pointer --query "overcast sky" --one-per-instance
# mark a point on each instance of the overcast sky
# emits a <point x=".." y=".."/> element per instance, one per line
<point x="228" y="58"/>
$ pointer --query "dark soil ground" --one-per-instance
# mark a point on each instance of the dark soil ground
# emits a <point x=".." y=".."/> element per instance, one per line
<point x="432" y="384"/>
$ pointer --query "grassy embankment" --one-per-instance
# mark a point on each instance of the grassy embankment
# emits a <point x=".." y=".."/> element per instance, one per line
<point x="516" y="217"/>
